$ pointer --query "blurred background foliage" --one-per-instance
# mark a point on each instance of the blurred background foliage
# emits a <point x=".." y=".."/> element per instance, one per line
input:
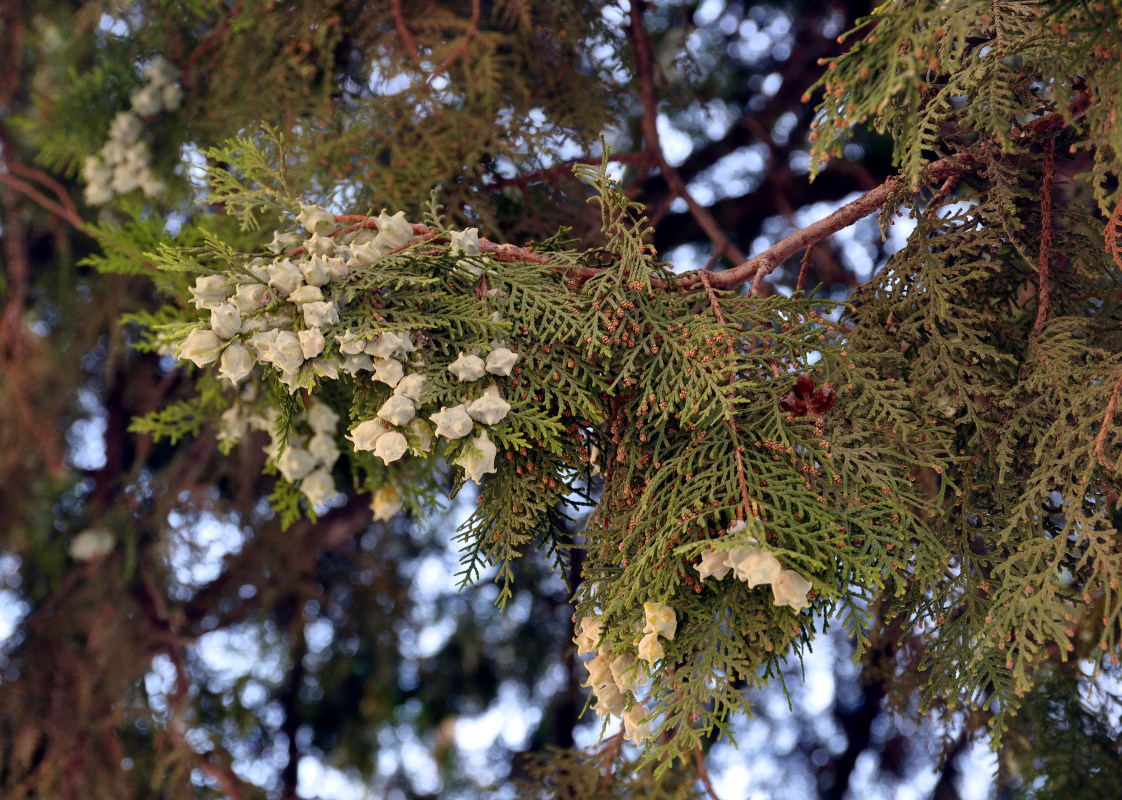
<point x="210" y="653"/>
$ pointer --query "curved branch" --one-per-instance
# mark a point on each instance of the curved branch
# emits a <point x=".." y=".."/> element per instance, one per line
<point x="64" y="198"/>
<point x="758" y="267"/>
<point x="461" y="48"/>
<point x="55" y="207"/>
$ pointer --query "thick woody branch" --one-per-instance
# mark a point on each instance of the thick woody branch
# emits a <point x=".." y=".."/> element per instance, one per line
<point x="758" y="267"/>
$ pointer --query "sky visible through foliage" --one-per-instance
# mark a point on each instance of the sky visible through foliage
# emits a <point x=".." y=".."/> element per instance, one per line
<point x="761" y="767"/>
<point x="284" y="644"/>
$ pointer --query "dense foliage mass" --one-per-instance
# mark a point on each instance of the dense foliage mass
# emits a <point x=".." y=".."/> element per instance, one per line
<point x="369" y="257"/>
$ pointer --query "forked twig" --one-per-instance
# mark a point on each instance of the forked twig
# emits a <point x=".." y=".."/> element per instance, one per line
<point x="55" y="207"/>
<point x="64" y="198"/>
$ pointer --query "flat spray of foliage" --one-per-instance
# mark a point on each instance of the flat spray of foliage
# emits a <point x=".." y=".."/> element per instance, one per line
<point x="968" y="468"/>
<point x="1000" y="320"/>
<point x="674" y="393"/>
<point x="961" y="488"/>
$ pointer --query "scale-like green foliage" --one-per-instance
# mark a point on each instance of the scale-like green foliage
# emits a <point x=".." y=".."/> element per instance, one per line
<point x="944" y="77"/>
<point x="1012" y="401"/>
<point x="680" y="392"/>
<point x="937" y="460"/>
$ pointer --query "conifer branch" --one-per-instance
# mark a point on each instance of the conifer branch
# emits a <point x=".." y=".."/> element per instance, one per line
<point x="1042" y="264"/>
<point x="500" y="251"/>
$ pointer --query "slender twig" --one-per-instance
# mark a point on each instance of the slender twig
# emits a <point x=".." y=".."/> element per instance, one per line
<point x="230" y="783"/>
<point x="750" y="507"/>
<point x="940" y="196"/>
<point x="222" y="773"/>
<point x="55" y="207"/>
<point x="461" y="48"/>
<point x="807" y="256"/>
<point x="610" y="751"/>
<point x="64" y="198"/>
<point x="754" y="269"/>
<point x="549" y="174"/>
<point x="703" y="773"/>
<point x="1043" y="266"/>
<point x="207" y="46"/>
<point x="644" y="60"/>
<point x="1108" y="418"/>
<point x="758" y="267"/>
<point x="406" y="37"/>
<point x="657" y="214"/>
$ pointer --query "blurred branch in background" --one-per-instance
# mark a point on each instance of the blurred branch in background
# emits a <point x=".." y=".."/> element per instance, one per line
<point x="162" y="633"/>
